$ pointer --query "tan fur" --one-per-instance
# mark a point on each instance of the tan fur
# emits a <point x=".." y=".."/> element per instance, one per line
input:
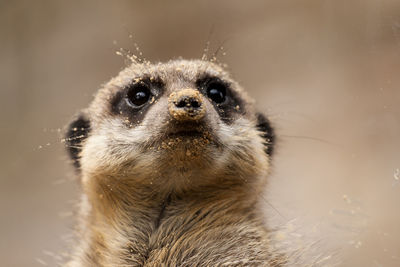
<point x="151" y="200"/>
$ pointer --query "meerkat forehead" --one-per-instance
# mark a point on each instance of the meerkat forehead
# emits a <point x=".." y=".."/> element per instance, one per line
<point x="174" y="71"/>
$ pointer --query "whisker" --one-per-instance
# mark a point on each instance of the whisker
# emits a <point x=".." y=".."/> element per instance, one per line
<point x="309" y="138"/>
<point x="264" y="199"/>
<point x="207" y="45"/>
<point x="214" y="57"/>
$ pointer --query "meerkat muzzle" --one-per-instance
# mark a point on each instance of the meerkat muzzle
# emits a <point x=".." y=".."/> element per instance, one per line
<point x="186" y="104"/>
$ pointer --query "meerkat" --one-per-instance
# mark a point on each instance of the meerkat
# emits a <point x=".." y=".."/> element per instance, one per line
<point x="172" y="159"/>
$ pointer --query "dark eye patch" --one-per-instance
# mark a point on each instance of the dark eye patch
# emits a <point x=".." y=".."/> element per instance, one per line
<point x="134" y="100"/>
<point x="226" y="101"/>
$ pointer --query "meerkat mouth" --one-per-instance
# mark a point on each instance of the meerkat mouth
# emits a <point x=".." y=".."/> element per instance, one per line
<point x="187" y="130"/>
<point x="187" y="134"/>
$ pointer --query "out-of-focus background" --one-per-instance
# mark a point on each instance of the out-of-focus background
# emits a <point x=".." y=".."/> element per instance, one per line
<point x="326" y="72"/>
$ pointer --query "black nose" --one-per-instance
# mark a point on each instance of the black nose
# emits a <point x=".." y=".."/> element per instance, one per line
<point x="188" y="102"/>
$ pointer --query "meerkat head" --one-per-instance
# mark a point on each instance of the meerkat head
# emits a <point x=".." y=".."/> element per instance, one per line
<point x="172" y="126"/>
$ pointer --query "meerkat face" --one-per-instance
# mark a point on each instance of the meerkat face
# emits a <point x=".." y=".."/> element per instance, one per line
<point x="166" y="123"/>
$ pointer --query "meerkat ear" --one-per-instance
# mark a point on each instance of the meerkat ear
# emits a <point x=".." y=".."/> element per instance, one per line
<point x="267" y="132"/>
<point x="78" y="131"/>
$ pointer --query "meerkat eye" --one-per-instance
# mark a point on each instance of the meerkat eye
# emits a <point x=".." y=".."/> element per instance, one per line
<point x="138" y="94"/>
<point x="216" y="91"/>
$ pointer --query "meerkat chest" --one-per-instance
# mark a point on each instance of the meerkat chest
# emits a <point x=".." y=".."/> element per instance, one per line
<point x="196" y="238"/>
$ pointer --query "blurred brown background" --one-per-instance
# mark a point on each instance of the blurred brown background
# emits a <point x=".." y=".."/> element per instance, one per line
<point x="326" y="72"/>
